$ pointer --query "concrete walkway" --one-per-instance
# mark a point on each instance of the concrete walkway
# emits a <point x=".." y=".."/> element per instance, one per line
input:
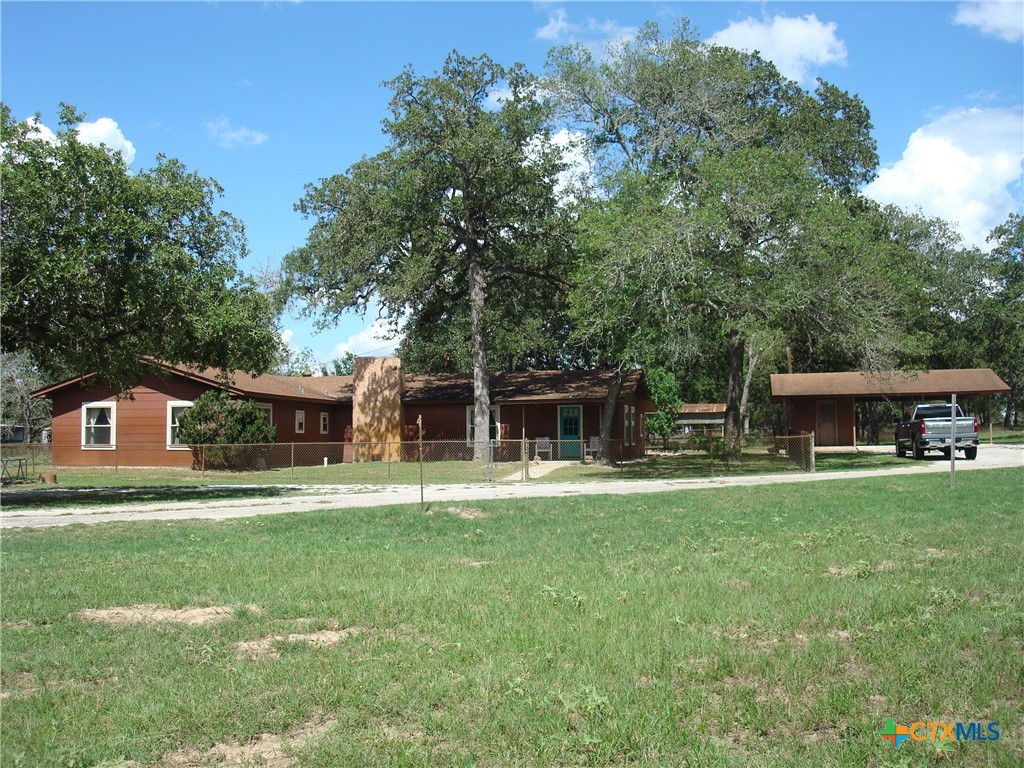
<point x="307" y="498"/>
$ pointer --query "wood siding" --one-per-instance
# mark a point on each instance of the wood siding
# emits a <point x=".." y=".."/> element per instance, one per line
<point x="141" y="423"/>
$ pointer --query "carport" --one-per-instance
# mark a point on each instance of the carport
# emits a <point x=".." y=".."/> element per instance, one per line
<point x="825" y="403"/>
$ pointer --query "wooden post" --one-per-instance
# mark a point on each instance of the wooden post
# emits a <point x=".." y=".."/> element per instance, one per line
<point x="419" y="437"/>
<point x="952" y="441"/>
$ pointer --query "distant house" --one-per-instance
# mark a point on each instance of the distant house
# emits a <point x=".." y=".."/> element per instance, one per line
<point x="379" y="404"/>
<point x="825" y="403"/>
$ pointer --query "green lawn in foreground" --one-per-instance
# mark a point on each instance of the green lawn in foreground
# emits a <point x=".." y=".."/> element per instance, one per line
<point x="772" y="626"/>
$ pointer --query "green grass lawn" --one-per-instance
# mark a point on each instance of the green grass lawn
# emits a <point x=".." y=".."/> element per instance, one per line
<point x="733" y="627"/>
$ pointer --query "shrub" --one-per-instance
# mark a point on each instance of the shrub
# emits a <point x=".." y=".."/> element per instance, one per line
<point x="217" y="419"/>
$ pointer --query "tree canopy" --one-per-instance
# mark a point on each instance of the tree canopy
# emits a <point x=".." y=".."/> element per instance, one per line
<point x="106" y="269"/>
<point x="730" y="219"/>
<point x="457" y="218"/>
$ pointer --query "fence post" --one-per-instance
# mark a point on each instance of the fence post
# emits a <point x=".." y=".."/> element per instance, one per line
<point x="387" y="448"/>
<point x="419" y="438"/>
<point x="202" y="460"/>
<point x="524" y="454"/>
<point x="293" y="461"/>
<point x="810" y="449"/>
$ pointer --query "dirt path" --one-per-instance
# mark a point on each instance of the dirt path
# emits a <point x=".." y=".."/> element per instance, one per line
<point x="345" y="497"/>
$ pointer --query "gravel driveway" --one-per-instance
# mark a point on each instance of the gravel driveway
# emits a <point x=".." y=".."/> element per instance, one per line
<point x="306" y="498"/>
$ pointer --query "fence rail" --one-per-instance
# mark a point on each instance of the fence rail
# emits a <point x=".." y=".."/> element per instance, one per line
<point x="432" y="461"/>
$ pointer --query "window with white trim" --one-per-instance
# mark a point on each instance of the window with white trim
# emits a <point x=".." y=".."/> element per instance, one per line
<point x="268" y="410"/>
<point x="325" y="422"/>
<point x="300" y="422"/>
<point x="495" y="423"/>
<point x="99" y="426"/>
<point x="629" y="424"/>
<point x="174" y="410"/>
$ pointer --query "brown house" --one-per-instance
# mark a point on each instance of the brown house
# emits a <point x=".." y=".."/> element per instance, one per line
<point x="825" y="403"/>
<point x="379" y="405"/>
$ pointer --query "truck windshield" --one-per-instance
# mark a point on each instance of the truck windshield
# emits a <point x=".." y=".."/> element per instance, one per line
<point x="936" y="412"/>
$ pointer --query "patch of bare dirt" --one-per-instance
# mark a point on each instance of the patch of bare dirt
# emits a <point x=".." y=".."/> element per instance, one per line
<point x="268" y="750"/>
<point x="466" y="513"/>
<point x="19" y="685"/>
<point x="149" y="613"/>
<point x="23" y="684"/>
<point x="473" y="563"/>
<point x="266" y="647"/>
<point x="862" y="569"/>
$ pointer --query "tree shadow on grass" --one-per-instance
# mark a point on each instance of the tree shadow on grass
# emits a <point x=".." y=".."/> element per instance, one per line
<point x="83" y="497"/>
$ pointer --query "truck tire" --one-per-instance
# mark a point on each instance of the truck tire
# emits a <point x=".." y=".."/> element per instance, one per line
<point x="900" y="450"/>
<point x="971" y="453"/>
<point x="918" y="452"/>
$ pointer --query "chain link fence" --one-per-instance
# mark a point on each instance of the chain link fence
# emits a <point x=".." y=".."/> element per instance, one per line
<point x="414" y="462"/>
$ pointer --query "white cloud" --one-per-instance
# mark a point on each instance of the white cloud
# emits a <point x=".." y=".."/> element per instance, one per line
<point x="377" y="339"/>
<point x="557" y="29"/>
<point x="575" y="154"/>
<point x="962" y="167"/>
<point x="795" y="45"/>
<point x="228" y="137"/>
<point x="286" y="336"/>
<point x="1003" y="19"/>
<point x="497" y="96"/>
<point x="598" y="36"/>
<point x="104" y="131"/>
<point x="39" y="131"/>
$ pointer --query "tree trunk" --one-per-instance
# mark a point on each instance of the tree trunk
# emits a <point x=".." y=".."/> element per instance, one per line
<point x="734" y="396"/>
<point x="481" y="384"/>
<point x="874" y="426"/>
<point x="611" y="404"/>
<point x="753" y="356"/>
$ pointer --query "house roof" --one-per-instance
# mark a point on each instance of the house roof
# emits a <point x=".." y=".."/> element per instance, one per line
<point x="881" y="384"/>
<point x="327" y="389"/>
<point x="505" y="388"/>
<point x="699" y="408"/>
<point x="510" y="388"/>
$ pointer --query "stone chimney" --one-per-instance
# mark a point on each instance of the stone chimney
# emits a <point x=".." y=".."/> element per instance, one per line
<point x="377" y="416"/>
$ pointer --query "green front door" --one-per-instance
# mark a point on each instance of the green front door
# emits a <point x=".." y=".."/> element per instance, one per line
<point x="569" y="431"/>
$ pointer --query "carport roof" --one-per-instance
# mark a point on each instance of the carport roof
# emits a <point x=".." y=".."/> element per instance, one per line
<point x="884" y="384"/>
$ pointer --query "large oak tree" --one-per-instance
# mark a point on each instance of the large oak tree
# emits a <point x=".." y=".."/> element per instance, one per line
<point x="730" y="208"/>
<point x="457" y="218"/>
<point x="106" y="270"/>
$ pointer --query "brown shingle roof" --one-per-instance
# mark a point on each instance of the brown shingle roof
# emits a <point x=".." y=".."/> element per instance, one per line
<point x="702" y="408"/>
<point x="922" y="384"/>
<point x="533" y="386"/>
<point x="527" y="387"/>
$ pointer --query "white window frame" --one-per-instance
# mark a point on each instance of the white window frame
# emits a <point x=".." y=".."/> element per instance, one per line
<point x="325" y="422"/>
<point x="112" y="406"/>
<point x="629" y="424"/>
<point x="171" y="405"/>
<point x="471" y="411"/>
<point x="300" y="421"/>
<point x="269" y="409"/>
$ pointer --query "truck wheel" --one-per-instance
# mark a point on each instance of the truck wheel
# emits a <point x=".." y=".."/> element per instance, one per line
<point x="918" y="452"/>
<point x="971" y="453"/>
<point x="900" y="450"/>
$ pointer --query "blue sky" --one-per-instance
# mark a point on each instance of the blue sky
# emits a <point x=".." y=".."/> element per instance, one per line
<point x="268" y="97"/>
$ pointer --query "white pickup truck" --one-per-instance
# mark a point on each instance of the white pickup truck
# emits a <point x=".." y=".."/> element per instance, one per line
<point x="929" y="427"/>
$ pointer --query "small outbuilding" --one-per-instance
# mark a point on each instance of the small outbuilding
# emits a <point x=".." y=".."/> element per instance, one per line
<point x="825" y="403"/>
<point x="701" y="418"/>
